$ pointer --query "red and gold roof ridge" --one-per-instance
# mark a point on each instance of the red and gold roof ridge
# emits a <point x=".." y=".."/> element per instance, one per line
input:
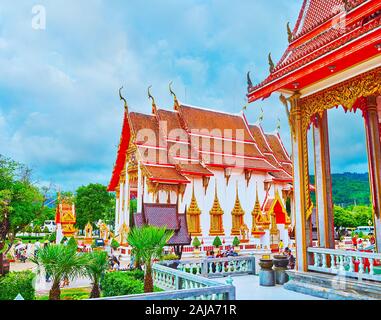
<point x="176" y="173"/>
<point x="321" y="32"/>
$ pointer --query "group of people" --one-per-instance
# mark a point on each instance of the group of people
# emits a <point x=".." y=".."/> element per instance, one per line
<point x="222" y="254"/>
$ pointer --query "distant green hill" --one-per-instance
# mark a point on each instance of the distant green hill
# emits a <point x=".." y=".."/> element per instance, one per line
<point x="349" y="189"/>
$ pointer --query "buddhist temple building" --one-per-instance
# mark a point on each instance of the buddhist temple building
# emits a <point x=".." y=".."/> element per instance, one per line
<point x="65" y="217"/>
<point x="202" y="173"/>
<point x="333" y="60"/>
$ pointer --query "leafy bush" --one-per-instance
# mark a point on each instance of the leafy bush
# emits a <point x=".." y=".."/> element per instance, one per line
<point x="46" y="230"/>
<point x="72" y="243"/>
<point x="196" y="243"/>
<point x="17" y="282"/>
<point x="120" y="284"/>
<point x="37" y="229"/>
<point x="136" y="274"/>
<point x="217" y="242"/>
<point x="30" y="238"/>
<point x="236" y="242"/>
<point x="115" y="244"/>
<point x="169" y="257"/>
<point x="63" y="239"/>
<point x="52" y="237"/>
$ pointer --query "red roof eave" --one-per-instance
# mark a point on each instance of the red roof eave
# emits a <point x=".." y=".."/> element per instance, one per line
<point x="121" y="156"/>
<point x="350" y="54"/>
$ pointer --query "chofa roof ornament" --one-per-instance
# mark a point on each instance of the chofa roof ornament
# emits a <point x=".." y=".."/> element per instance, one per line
<point x="176" y="106"/>
<point x="154" y="108"/>
<point x="123" y="99"/>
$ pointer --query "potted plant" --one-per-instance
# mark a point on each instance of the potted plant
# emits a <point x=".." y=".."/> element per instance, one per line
<point x="217" y="244"/>
<point x="196" y="244"/>
<point x="236" y="244"/>
<point x="115" y="244"/>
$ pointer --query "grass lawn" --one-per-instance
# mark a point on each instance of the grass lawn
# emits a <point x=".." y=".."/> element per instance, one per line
<point x="70" y="294"/>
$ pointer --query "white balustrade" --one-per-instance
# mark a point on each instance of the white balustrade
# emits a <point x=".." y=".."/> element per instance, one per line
<point x="353" y="264"/>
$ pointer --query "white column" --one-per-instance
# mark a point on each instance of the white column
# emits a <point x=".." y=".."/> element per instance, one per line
<point x="323" y="184"/>
<point x="117" y="210"/>
<point x="140" y="190"/>
<point x="126" y="213"/>
<point x="121" y="199"/>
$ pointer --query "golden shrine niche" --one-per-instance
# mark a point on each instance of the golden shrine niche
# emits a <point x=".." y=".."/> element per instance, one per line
<point x="237" y="215"/>
<point x="66" y="210"/>
<point x="193" y="216"/>
<point x="104" y="231"/>
<point x="216" y="213"/>
<point x="88" y="233"/>
<point x="259" y="221"/>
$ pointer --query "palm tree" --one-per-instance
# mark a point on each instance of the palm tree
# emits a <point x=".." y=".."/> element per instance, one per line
<point x="147" y="243"/>
<point x="96" y="265"/>
<point x="61" y="262"/>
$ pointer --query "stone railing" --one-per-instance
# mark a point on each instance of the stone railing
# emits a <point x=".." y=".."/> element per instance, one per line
<point x="216" y="267"/>
<point x="353" y="264"/>
<point x="180" y="285"/>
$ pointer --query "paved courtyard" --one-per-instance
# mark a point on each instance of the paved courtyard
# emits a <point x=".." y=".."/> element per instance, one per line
<point x="248" y="288"/>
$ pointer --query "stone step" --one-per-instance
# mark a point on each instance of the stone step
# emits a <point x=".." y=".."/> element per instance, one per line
<point x="332" y="286"/>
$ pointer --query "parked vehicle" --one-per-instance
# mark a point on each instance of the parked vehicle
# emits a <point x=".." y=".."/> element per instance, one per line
<point x="366" y="230"/>
<point x="50" y="224"/>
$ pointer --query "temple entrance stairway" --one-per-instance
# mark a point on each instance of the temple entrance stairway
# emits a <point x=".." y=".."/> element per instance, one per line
<point x="333" y="287"/>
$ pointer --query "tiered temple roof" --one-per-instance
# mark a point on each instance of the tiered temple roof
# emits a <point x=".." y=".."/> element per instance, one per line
<point x="329" y="36"/>
<point x="190" y="141"/>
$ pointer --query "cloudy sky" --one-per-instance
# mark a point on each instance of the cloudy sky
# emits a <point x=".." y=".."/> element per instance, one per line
<point x="59" y="107"/>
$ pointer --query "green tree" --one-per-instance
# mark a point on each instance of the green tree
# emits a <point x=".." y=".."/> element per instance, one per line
<point x="236" y="242"/>
<point x="217" y="242"/>
<point x="60" y="262"/>
<point x="96" y="266"/>
<point x="196" y="243"/>
<point x="20" y="201"/>
<point x="93" y="202"/>
<point x="147" y="243"/>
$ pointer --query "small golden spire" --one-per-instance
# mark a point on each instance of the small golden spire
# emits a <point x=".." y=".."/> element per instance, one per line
<point x="216" y="208"/>
<point x="289" y="33"/>
<point x="193" y="207"/>
<point x="237" y="210"/>
<point x="154" y="108"/>
<point x="176" y="102"/>
<point x="123" y="99"/>
<point x="271" y="63"/>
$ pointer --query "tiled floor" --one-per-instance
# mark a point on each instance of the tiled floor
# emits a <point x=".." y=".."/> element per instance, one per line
<point x="248" y="288"/>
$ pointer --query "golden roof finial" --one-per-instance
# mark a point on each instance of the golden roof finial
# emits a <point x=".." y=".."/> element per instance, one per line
<point x="176" y="106"/>
<point x="289" y="33"/>
<point x="154" y="109"/>
<point x="123" y="99"/>
<point x="271" y="63"/>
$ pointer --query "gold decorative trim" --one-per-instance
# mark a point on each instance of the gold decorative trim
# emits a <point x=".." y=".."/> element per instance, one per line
<point x="193" y="215"/>
<point x="237" y="215"/>
<point x="216" y="213"/>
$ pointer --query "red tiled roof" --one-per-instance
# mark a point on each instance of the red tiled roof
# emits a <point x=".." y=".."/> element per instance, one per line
<point x="167" y="160"/>
<point x="181" y="236"/>
<point x="322" y="28"/>
<point x="161" y="215"/>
